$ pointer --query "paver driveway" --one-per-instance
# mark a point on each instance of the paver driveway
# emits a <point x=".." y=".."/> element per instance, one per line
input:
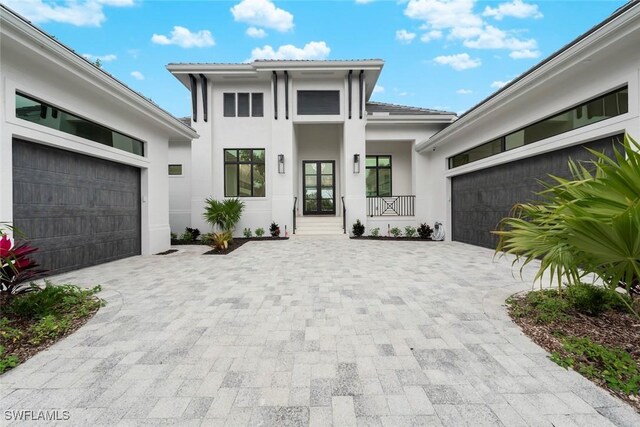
<point x="308" y="331"/>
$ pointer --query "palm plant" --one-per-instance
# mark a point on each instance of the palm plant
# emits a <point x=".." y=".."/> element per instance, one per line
<point x="223" y="214"/>
<point x="589" y="224"/>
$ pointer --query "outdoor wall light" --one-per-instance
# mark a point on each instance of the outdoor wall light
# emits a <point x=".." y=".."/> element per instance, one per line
<point x="356" y="163"/>
<point x="280" y="163"/>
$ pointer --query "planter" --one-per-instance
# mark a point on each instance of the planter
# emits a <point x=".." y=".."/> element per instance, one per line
<point x="239" y="241"/>
<point x="404" y="239"/>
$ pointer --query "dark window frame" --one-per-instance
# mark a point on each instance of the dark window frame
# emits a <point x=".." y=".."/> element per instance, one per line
<point x="451" y="161"/>
<point x="306" y="111"/>
<point x="253" y="99"/>
<point x="237" y="163"/>
<point x="377" y="168"/>
<point x="55" y="111"/>
<point x="175" y="174"/>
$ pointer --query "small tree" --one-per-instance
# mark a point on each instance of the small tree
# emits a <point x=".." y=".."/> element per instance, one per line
<point x="357" y="229"/>
<point x="224" y="215"/>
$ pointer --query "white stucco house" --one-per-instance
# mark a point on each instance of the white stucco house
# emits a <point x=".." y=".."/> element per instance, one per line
<point x="83" y="158"/>
<point x="281" y="134"/>
<point x="300" y="141"/>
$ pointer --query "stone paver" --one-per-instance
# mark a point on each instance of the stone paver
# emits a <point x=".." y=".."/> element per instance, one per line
<point x="311" y="331"/>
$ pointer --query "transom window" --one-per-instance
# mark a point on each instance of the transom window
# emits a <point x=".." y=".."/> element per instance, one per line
<point x="378" y="175"/>
<point x="243" y="104"/>
<point x="244" y="174"/>
<point x="175" y="170"/>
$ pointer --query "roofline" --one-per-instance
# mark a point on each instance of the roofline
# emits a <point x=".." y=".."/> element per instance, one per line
<point x="411" y="118"/>
<point x="13" y="20"/>
<point x="552" y="61"/>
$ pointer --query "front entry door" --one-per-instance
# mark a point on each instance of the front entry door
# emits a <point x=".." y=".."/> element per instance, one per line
<point x="319" y="187"/>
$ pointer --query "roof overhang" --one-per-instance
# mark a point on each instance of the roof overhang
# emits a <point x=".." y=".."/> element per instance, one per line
<point x="411" y="119"/>
<point x="619" y="26"/>
<point x="14" y="27"/>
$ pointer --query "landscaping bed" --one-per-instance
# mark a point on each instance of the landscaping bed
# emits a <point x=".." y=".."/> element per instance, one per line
<point x="33" y="321"/>
<point x="404" y="239"/>
<point x="587" y="329"/>
<point x="239" y="241"/>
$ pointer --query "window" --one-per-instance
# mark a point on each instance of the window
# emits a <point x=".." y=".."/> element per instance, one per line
<point x="318" y="102"/>
<point x="175" y="170"/>
<point x="35" y="111"/>
<point x="595" y="110"/>
<point x="244" y="174"/>
<point x="378" y="175"/>
<point x="248" y="104"/>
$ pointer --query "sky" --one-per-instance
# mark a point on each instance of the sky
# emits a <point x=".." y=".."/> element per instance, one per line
<point x="441" y="54"/>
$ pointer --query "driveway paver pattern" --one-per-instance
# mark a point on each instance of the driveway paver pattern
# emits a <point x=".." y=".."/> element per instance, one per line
<point x="311" y="331"/>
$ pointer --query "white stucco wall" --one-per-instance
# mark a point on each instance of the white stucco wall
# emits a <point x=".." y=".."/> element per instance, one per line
<point x="180" y="186"/>
<point x="68" y="87"/>
<point x="610" y="64"/>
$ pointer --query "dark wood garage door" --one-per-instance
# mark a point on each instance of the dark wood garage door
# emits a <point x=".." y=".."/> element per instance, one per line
<point x="78" y="210"/>
<point x="479" y="200"/>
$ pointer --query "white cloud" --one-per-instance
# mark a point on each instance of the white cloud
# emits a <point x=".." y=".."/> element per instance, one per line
<point x="457" y="20"/>
<point x="137" y="75"/>
<point x="431" y="35"/>
<point x="87" y="13"/>
<point x="102" y="58"/>
<point x="312" y="50"/>
<point x="464" y="91"/>
<point x="183" y="37"/>
<point x="499" y="84"/>
<point x="403" y="36"/>
<point x="515" y="9"/>
<point x="459" y="62"/>
<point x="378" y="89"/>
<point x="256" y="33"/>
<point x="524" y="54"/>
<point x="262" y="13"/>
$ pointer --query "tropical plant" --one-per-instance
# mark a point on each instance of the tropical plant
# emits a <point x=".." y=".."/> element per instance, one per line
<point x="274" y="229"/>
<point x="260" y="232"/>
<point x="424" y="231"/>
<point x="194" y="232"/>
<point x="16" y="267"/>
<point x="589" y="224"/>
<point x="357" y="229"/>
<point x="375" y="232"/>
<point x="223" y="214"/>
<point x="221" y="240"/>
<point x="247" y="233"/>
<point x="395" y="232"/>
<point x="409" y="231"/>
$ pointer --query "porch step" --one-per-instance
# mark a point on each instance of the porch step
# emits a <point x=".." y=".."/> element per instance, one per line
<point x="318" y="225"/>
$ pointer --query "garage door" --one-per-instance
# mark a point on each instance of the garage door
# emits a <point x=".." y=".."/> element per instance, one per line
<point x="479" y="200"/>
<point x="78" y="210"/>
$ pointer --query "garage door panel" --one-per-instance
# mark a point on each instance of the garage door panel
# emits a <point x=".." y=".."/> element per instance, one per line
<point x="479" y="200"/>
<point x="78" y="210"/>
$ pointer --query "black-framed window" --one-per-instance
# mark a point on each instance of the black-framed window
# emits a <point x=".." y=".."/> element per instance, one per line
<point x="175" y="170"/>
<point x="243" y="104"/>
<point x="318" y="102"/>
<point x="41" y="113"/>
<point x="378" y="175"/>
<point x="595" y="110"/>
<point x="244" y="172"/>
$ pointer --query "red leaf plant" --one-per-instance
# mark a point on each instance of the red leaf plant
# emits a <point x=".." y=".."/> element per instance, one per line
<point x="16" y="267"/>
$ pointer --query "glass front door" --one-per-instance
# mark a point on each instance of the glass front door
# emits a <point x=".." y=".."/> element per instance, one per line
<point x="319" y="187"/>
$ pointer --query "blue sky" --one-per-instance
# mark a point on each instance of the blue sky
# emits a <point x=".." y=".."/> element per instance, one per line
<point x="444" y="54"/>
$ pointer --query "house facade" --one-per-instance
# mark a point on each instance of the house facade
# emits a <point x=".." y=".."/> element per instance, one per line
<point x="300" y="140"/>
<point x="585" y="95"/>
<point x="83" y="158"/>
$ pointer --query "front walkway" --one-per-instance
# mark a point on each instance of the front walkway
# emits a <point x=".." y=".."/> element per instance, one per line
<point x="313" y="330"/>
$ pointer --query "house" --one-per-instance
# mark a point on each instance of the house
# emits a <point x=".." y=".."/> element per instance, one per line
<point x="301" y="144"/>
<point x="83" y="158"/>
<point x="585" y="95"/>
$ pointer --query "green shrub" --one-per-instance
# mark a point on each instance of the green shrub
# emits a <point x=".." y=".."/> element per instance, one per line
<point x="613" y="365"/>
<point x="593" y="300"/>
<point x="424" y="231"/>
<point x="543" y="307"/>
<point x="259" y="232"/>
<point x="357" y="229"/>
<point x="8" y="332"/>
<point x="409" y="231"/>
<point x="395" y="232"/>
<point x="186" y="237"/>
<point x="174" y="236"/>
<point x="274" y="229"/>
<point x="207" y="238"/>
<point x="7" y="361"/>
<point x="48" y="327"/>
<point x="224" y="214"/>
<point x="375" y="232"/>
<point x="247" y="233"/>
<point x="55" y="301"/>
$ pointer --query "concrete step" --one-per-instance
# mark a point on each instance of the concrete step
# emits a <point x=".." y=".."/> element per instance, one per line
<point x="318" y="225"/>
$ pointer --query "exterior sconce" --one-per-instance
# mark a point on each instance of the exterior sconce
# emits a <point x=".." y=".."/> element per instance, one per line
<point x="356" y="163"/>
<point x="280" y="163"/>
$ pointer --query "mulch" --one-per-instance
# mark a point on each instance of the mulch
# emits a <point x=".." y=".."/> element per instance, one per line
<point x="404" y="239"/>
<point x="239" y="241"/>
<point x="170" y="251"/>
<point x="25" y="350"/>
<point x="611" y="329"/>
